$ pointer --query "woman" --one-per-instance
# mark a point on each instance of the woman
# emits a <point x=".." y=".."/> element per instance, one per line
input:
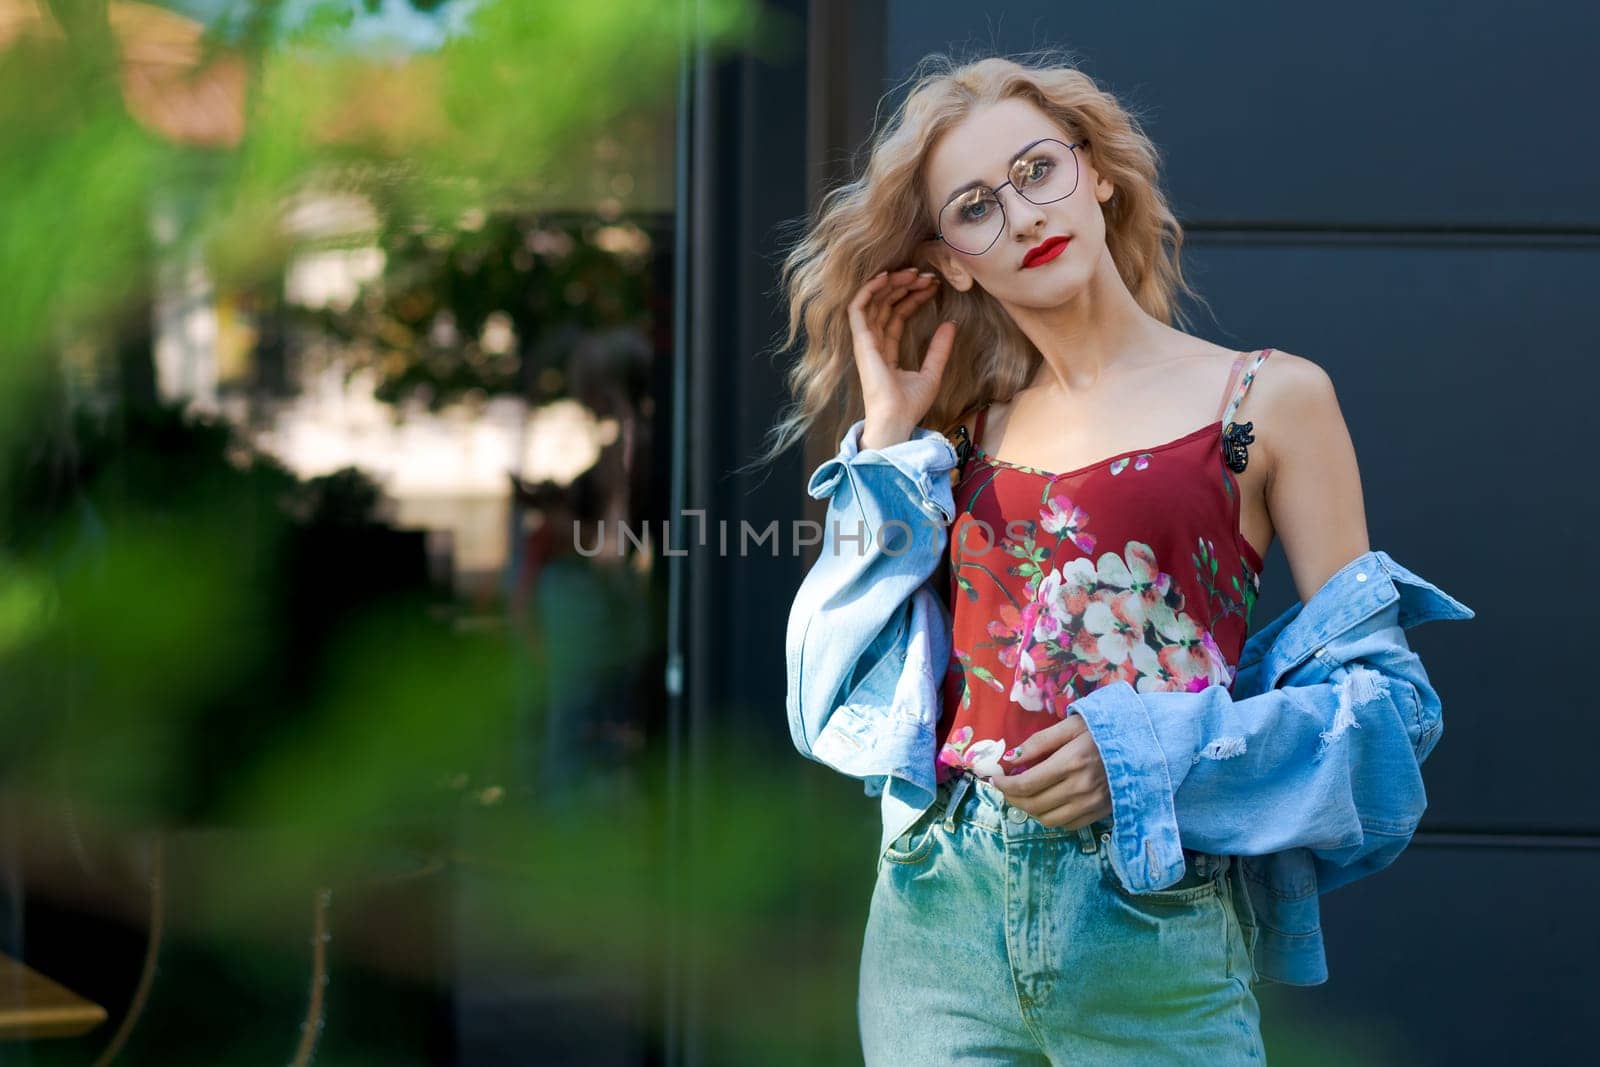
<point x="1118" y="487"/>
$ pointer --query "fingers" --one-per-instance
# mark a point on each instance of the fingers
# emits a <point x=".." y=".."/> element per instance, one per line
<point x="1068" y="803"/>
<point x="1059" y="752"/>
<point x="1075" y="816"/>
<point x="1047" y="739"/>
<point x="1056" y="734"/>
<point x="1061" y="797"/>
<point x="866" y="306"/>
<point x="939" y="346"/>
<point x="1065" y="787"/>
<point x="920" y="292"/>
<point x="859" y="326"/>
<point x="868" y="311"/>
<point x="906" y="285"/>
<point x="1048" y="770"/>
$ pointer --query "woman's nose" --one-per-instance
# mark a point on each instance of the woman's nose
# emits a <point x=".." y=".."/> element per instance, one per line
<point x="1027" y="218"/>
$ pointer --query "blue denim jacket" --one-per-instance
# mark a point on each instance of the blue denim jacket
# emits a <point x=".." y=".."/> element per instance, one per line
<point x="1308" y="769"/>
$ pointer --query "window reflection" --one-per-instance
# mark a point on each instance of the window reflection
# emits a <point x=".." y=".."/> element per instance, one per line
<point x="294" y="643"/>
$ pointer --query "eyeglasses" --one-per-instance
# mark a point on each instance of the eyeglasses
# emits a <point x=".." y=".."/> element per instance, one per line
<point x="1042" y="173"/>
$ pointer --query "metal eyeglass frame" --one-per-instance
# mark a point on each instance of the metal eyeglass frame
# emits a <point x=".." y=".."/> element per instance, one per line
<point x="1077" y="178"/>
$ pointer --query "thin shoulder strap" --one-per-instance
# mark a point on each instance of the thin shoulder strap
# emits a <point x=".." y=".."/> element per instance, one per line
<point x="1227" y="390"/>
<point x="1243" y="386"/>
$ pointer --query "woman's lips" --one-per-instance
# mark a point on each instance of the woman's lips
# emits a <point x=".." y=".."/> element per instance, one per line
<point x="1047" y="251"/>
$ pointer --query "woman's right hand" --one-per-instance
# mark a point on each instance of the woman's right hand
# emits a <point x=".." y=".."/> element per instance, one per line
<point x="896" y="399"/>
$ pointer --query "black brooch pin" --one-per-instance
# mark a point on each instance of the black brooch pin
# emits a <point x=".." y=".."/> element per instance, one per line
<point x="1234" y="440"/>
<point x="963" y="446"/>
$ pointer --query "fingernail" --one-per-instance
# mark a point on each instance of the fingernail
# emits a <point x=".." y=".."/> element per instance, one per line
<point x="1011" y="753"/>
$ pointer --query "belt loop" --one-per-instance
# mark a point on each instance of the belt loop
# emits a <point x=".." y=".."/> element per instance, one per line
<point x="956" y="794"/>
<point x="1086" y="840"/>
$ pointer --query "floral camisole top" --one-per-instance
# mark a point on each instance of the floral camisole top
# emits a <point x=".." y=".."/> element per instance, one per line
<point x="1128" y="569"/>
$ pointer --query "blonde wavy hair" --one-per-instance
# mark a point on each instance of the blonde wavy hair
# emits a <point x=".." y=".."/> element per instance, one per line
<point x="879" y="221"/>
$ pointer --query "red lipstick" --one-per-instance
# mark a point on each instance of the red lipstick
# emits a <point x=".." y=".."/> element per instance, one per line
<point x="1044" y="251"/>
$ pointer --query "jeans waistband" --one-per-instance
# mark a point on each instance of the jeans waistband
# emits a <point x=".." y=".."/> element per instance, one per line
<point x="968" y="798"/>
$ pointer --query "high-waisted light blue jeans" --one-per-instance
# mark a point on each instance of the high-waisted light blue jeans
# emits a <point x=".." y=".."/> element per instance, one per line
<point x="994" y="939"/>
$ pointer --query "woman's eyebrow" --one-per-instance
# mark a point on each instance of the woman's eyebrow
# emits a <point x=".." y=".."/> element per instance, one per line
<point x="979" y="183"/>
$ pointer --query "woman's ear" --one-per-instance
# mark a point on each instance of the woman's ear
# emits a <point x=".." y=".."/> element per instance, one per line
<point x="948" y="264"/>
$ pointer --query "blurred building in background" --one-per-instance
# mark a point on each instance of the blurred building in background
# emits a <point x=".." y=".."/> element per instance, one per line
<point x="393" y="400"/>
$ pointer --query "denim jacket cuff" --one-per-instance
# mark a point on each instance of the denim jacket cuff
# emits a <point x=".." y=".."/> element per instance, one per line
<point x="925" y="460"/>
<point x="1146" y="851"/>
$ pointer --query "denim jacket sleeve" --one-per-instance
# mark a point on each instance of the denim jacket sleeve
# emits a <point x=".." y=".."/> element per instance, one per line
<point x="868" y="637"/>
<point x="1318" y="747"/>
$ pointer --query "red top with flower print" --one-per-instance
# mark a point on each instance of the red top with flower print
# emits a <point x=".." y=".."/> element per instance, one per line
<point x="1129" y="569"/>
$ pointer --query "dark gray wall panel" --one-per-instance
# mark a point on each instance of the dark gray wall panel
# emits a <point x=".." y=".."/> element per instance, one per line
<point x="1453" y="956"/>
<point x="1355" y="114"/>
<point x="1464" y="371"/>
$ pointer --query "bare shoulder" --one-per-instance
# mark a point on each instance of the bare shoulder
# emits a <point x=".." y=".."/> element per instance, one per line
<point x="1290" y="384"/>
<point x="1313" y="478"/>
<point x="1295" y="395"/>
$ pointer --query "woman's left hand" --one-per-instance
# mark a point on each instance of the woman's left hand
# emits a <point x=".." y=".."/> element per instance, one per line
<point x="1066" y="784"/>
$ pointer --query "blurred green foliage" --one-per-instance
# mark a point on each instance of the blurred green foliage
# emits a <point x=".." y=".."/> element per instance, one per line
<point x="209" y="659"/>
<point x="144" y="552"/>
<point x="509" y="114"/>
